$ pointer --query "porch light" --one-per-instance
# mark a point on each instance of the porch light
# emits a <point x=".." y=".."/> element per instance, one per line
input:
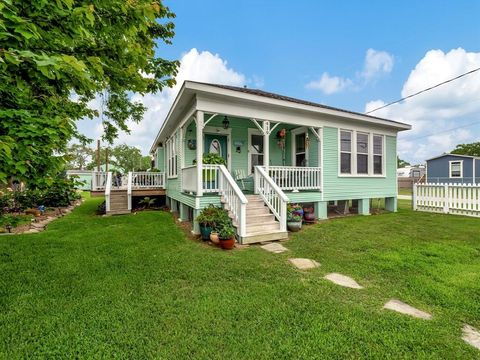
<point x="225" y="122"/>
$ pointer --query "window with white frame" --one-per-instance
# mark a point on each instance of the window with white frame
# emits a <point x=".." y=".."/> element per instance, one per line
<point x="345" y="152"/>
<point x="378" y="154"/>
<point x="172" y="157"/>
<point x="456" y="169"/>
<point x="362" y="153"/>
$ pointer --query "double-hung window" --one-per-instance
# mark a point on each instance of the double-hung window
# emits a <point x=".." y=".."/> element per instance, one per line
<point x="345" y="152"/>
<point x="362" y="153"/>
<point x="172" y="157"/>
<point x="378" y="154"/>
<point x="456" y="169"/>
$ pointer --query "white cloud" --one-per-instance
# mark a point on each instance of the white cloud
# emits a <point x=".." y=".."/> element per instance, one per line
<point x="377" y="63"/>
<point x="194" y="65"/>
<point x="330" y="84"/>
<point x="450" y="106"/>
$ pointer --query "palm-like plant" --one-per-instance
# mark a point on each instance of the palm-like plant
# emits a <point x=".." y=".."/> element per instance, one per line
<point x="147" y="202"/>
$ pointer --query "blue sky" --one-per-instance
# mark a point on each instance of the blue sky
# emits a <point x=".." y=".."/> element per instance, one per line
<point x="341" y="53"/>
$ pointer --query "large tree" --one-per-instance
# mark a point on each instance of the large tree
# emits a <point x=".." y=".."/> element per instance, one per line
<point x="56" y="57"/>
<point x="78" y="156"/>
<point x="472" y="149"/>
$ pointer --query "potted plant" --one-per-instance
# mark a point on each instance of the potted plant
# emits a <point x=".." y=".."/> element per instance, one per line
<point x="227" y="236"/>
<point x="206" y="220"/>
<point x="309" y="214"/>
<point x="208" y="175"/>
<point x="294" y="222"/>
<point x="214" y="237"/>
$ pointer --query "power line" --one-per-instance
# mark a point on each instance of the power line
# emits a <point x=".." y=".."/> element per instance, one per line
<point x="424" y="90"/>
<point x="444" y="131"/>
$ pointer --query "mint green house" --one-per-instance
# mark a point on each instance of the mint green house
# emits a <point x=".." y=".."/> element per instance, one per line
<point x="278" y="150"/>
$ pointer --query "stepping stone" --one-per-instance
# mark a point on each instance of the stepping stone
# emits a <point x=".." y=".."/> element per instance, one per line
<point x="304" y="264"/>
<point x="401" y="307"/>
<point x="274" y="247"/>
<point x="343" y="280"/>
<point x="471" y="336"/>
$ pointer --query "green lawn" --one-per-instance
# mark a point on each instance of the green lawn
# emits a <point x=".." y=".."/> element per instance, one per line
<point x="405" y="192"/>
<point x="135" y="287"/>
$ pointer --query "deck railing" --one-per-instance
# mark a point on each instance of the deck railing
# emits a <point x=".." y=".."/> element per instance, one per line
<point x="108" y="188"/>
<point x="147" y="180"/>
<point x="296" y="177"/>
<point x="99" y="179"/>
<point x="273" y="196"/>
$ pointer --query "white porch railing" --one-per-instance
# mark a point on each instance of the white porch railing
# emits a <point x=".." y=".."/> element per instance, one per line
<point x="210" y="178"/>
<point x="147" y="180"/>
<point x="296" y="177"/>
<point x="129" y="191"/>
<point x="99" y="179"/>
<point x="273" y="196"/>
<point x="108" y="188"/>
<point x="458" y="199"/>
<point x="233" y="197"/>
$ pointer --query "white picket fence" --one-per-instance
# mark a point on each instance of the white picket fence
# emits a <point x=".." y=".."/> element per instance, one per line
<point x="458" y="199"/>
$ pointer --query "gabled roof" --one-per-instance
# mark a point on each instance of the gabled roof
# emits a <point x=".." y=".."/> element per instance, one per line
<point x="271" y="95"/>
<point x="190" y="89"/>
<point x="450" y="154"/>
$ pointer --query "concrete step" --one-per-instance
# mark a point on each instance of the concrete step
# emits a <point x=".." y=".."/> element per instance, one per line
<point x="260" y="218"/>
<point x="256" y="237"/>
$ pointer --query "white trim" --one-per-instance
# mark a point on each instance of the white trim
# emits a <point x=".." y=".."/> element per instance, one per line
<point x="353" y="152"/>
<point x="251" y="132"/>
<point x="214" y="130"/>
<point x="450" y="169"/>
<point x="298" y="131"/>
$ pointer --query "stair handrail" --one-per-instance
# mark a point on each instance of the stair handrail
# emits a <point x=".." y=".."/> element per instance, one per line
<point x="108" y="188"/>
<point x="278" y="208"/>
<point x="234" y="198"/>
<point x="129" y="190"/>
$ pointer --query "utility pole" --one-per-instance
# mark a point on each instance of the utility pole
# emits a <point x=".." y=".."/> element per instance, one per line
<point x="98" y="155"/>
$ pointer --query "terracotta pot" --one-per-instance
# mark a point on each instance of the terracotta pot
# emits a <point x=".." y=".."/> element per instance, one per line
<point x="214" y="237"/>
<point x="227" y="244"/>
<point x="294" y="226"/>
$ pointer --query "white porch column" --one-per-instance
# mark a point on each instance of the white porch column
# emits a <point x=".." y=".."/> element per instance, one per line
<point x="199" y="121"/>
<point x="266" y="144"/>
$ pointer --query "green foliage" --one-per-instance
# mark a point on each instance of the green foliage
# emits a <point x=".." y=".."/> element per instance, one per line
<point x="56" y="57"/>
<point x="472" y="149"/>
<point x="226" y="232"/>
<point x="78" y="156"/>
<point x="293" y="217"/>
<point x="208" y="215"/>
<point x="103" y="273"/>
<point x="213" y="159"/>
<point x="402" y="163"/>
<point x="124" y="157"/>
<point x="12" y="220"/>
<point x="147" y="202"/>
<point x="61" y="192"/>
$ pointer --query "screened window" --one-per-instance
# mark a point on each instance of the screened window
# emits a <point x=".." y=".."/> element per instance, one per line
<point x="300" y="150"/>
<point x="456" y="169"/>
<point x="378" y="154"/>
<point x="172" y="157"/>
<point x="362" y="153"/>
<point x="345" y="152"/>
<point x="256" y="151"/>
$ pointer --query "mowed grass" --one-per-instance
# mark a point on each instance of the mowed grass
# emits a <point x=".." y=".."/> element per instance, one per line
<point x="135" y="287"/>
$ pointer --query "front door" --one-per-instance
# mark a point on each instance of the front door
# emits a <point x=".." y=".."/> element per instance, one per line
<point x="255" y="151"/>
<point x="216" y="144"/>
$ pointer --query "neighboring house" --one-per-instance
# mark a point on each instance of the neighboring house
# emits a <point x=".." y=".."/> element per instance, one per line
<point x="409" y="175"/>
<point x="86" y="176"/>
<point x="278" y="149"/>
<point x="453" y="168"/>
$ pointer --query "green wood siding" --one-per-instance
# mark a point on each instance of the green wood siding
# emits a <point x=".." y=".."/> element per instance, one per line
<point x="160" y="160"/>
<point x="342" y="188"/>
